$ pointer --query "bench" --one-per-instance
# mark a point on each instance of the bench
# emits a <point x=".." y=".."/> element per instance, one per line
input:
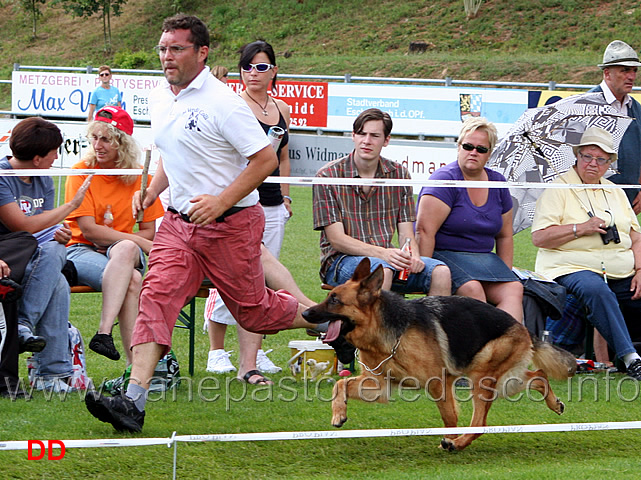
<point x="187" y="315"/>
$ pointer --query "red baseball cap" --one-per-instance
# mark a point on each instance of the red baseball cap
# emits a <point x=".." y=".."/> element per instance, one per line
<point x="117" y="117"/>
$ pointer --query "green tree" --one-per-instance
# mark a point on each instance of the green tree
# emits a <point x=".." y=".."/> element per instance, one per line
<point x="87" y="8"/>
<point x="33" y="9"/>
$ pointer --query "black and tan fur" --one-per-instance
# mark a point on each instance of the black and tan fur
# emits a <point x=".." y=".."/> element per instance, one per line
<point x="440" y="337"/>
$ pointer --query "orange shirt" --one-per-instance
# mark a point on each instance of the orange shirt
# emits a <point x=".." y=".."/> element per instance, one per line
<point x="106" y="190"/>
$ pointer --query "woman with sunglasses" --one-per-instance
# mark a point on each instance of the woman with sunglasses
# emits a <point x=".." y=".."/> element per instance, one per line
<point x="258" y="71"/>
<point x="105" y="95"/>
<point x="461" y="226"/>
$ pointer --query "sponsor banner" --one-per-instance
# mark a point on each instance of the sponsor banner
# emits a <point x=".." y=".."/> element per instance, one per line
<point x="68" y="94"/>
<point x="307" y="101"/>
<point x="307" y="152"/>
<point x="423" y="110"/>
<point x="415" y="110"/>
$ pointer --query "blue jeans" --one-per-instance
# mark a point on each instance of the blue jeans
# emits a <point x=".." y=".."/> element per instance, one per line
<point x="343" y="268"/>
<point x="44" y="308"/>
<point x="91" y="264"/>
<point x="602" y="303"/>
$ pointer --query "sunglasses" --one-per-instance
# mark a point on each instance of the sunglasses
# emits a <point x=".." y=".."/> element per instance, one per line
<point x="104" y="74"/>
<point x="260" y="67"/>
<point x="479" y="148"/>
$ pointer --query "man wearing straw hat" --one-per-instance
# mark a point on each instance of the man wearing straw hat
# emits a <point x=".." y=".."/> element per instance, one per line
<point x="620" y="64"/>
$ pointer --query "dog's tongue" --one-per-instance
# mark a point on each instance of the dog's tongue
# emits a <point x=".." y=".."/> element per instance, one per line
<point x="333" y="331"/>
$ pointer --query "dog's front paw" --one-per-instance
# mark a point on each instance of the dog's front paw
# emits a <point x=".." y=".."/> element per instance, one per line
<point x="338" y="420"/>
<point x="448" y="445"/>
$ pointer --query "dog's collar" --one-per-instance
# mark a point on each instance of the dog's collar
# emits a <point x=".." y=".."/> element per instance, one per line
<point x="373" y="370"/>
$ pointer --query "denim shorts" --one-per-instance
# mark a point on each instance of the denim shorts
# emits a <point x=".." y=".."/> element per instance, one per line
<point x="90" y="264"/>
<point x="343" y="268"/>
<point x="467" y="266"/>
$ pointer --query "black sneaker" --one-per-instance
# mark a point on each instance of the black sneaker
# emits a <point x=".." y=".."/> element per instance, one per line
<point x="28" y="342"/>
<point x="120" y="411"/>
<point x="103" y="344"/>
<point x="634" y="369"/>
<point x="14" y="393"/>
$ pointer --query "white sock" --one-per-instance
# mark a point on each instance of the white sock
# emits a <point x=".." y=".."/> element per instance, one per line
<point x="628" y="358"/>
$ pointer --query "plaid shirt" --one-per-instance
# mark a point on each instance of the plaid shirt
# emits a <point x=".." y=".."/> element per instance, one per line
<point x="371" y="218"/>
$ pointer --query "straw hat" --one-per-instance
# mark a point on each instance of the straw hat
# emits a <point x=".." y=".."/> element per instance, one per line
<point x="599" y="137"/>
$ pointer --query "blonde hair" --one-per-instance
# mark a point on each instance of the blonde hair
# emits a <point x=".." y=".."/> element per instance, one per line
<point x="102" y="68"/>
<point x="471" y="124"/>
<point x="128" y="149"/>
<point x="219" y="71"/>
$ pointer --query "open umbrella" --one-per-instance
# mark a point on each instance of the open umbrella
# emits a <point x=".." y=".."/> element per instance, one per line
<point x="538" y="147"/>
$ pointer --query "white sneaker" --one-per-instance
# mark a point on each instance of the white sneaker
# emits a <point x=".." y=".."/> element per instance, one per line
<point x="264" y="364"/>
<point x="218" y="361"/>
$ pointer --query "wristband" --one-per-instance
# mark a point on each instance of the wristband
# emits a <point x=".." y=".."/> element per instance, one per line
<point x="287" y="197"/>
<point x="574" y="231"/>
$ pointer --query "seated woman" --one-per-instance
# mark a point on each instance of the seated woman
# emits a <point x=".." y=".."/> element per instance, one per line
<point x="461" y="226"/>
<point x="108" y="255"/>
<point x="589" y="242"/>
<point x="27" y="204"/>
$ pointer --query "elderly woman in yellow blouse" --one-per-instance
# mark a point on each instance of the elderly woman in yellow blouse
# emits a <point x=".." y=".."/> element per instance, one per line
<point x="589" y="242"/>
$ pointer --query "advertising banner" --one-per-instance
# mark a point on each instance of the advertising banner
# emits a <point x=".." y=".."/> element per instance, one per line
<point x="67" y="94"/>
<point x="421" y="110"/>
<point x="307" y="101"/>
<point x="308" y="152"/>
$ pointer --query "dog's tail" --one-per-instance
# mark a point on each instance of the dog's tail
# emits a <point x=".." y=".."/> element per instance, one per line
<point x="554" y="361"/>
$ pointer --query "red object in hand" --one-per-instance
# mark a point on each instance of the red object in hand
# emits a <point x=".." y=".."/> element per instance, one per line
<point x="405" y="273"/>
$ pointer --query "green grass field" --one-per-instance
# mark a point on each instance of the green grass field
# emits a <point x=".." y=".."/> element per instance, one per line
<point x="209" y="404"/>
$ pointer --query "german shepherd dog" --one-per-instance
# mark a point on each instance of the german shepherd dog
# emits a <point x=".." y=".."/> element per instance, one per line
<point x="432" y="341"/>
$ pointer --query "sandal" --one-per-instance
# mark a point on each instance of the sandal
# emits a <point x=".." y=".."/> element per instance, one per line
<point x="255" y="373"/>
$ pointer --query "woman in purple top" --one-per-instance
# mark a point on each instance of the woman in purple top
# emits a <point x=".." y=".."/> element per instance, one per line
<point x="461" y="226"/>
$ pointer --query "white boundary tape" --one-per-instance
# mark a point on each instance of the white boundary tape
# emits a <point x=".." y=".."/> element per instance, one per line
<point x="63" y="172"/>
<point x="323" y="434"/>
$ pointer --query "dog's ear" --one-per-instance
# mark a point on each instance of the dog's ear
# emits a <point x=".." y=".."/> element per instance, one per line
<point x="362" y="271"/>
<point x="374" y="282"/>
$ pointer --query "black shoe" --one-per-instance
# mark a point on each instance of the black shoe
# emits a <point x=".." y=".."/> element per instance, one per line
<point x="120" y="411"/>
<point x="14" y="393"/>
<point x="345" y="351"/>
<point x="28" y="342"/>
<point x="634" y="369"/>
<point x="103" y="344"/>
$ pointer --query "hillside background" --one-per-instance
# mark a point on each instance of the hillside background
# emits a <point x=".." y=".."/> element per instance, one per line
<point x="517" y="40"/>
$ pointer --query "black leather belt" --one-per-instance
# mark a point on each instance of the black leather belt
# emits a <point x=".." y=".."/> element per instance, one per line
<point x="225" y="214"/>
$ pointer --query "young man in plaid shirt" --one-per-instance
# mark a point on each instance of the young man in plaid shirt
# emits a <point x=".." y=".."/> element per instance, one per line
<point x="358" y="221"/>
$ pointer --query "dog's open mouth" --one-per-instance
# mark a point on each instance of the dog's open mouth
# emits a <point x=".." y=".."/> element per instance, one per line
<point x="333" y="331"/>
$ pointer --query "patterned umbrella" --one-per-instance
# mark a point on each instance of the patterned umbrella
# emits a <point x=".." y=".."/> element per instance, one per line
<point x="538" y="147"/>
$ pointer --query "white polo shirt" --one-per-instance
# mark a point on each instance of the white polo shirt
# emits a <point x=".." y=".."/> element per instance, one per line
<point x="204" y="135"/>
